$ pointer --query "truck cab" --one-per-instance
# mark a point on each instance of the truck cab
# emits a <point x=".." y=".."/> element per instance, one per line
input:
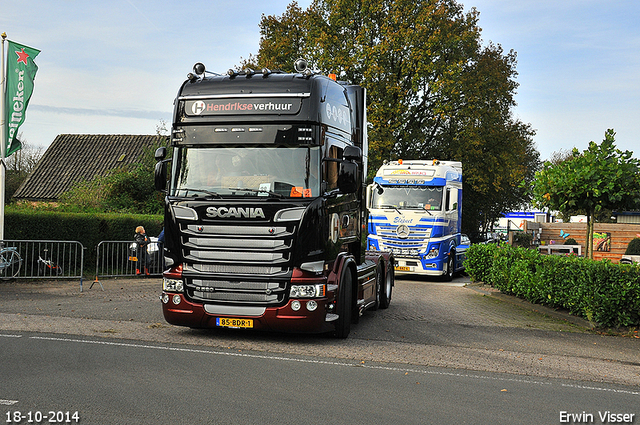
<point x="415" y="212"/>
<point x="264" y="207"/>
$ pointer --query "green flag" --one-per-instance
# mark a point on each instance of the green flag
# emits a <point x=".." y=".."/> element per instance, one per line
<point x="21" y="71"/>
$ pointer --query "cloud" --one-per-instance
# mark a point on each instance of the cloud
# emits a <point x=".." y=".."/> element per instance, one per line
<point x="124" y="113"/>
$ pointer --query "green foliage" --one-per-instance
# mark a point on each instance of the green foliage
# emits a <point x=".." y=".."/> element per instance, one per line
<point x="127" y="190"/>
<point x="570" y="241"/>
<point x="605" y="293"/>
<point x="601" y="177"/>
<point x="522" y="239"/>
<point x="634" y="247"/>
<point x="480" y="261"/>
<point x="433" y="91"/>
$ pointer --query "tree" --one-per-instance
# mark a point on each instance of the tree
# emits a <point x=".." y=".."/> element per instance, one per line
<point x="602" y="216"/>
<point x="432" y="91"/>
<point x="19" y="166"/>
<point x="600" y="177"/>
<point x="497" y="151"/>
<point x="282" y="39"/>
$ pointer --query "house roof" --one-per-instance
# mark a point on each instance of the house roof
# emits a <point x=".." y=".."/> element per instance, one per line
<point x="75" y="157"/>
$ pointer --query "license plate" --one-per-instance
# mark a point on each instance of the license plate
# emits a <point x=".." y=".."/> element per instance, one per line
<point x="226" y="322"/>
<point x="403" y="268"/>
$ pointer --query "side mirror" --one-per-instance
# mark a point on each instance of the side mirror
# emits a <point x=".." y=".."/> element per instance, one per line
<point x="161" y="153"/>
<point x="160" y="176"/>
<point x="352" y="153"/>
<point x="348" y="177"/>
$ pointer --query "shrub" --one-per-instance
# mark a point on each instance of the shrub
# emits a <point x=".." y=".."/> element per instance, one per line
<point x="88" y="229"/>
<point x="634" y="247"/>
<point x="605" y="293"/>
<point x="570" y="241"/>
<point x="479" y="261"/>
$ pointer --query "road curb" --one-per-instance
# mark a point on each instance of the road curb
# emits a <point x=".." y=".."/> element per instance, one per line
<point x="557" y="314"/>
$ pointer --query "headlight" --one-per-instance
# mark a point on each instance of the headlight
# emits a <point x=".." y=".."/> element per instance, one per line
<point x="172" y="285"/>
<point x="307" y="291"/>
<point x="433" y="252"/>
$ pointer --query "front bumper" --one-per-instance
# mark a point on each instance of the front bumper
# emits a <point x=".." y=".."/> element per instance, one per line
<point x="430" y="267"/>
<point x="280" y="319"/>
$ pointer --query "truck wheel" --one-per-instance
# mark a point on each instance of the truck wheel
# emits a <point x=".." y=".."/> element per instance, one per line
<point x="448" y="276"/>
<point x="343" y="324"/>
<point x="385" y="288"/>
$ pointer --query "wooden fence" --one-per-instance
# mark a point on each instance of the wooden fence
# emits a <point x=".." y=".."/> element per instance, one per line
<point x="610" y="241"/>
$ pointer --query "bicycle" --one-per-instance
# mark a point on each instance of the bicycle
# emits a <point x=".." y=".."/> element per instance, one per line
<point x="10" y="262"/>
<point x="48" y="267"/>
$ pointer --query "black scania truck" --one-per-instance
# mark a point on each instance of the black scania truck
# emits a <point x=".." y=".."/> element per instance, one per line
<point x="264" y="212"/>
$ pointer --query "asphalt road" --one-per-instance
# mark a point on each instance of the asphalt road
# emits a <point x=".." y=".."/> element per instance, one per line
<point x="442" y="352"/>
<point x="115" y="381"/>
<point x="451" y="325"/>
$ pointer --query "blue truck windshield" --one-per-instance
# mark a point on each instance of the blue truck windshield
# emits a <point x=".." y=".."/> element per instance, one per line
<point x="285" y="172"/>
<point x="409" y="197"/>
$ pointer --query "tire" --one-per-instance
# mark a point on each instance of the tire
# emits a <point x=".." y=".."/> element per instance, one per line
<point x="16" y="259"/>
<point x="12" y="269"/>
<point x="379" y="284"/>
<point x="448" y="276"/>
<point x="384" y="290"/>
<point x="343" y="324"/>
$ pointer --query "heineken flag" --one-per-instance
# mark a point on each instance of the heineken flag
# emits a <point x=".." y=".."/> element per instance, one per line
<point x="21" y="71"/>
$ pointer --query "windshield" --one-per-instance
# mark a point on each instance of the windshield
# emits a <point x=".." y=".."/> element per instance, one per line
<point x="402" y="197"/>
<point x="246" y="171"/>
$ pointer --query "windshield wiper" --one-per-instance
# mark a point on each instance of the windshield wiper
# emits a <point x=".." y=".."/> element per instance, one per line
<point x="393" y="207"/>
<point x="246" y="189"/>
<point x="208" y="192"/>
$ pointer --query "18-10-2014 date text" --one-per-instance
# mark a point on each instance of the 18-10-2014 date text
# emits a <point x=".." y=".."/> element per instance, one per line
<point x="37" y="417"/>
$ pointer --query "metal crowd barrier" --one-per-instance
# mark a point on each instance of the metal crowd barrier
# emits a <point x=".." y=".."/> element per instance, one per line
<point x="48" y="259"/>
<point x="124" y="258"/>
<point x="41" y="259"/>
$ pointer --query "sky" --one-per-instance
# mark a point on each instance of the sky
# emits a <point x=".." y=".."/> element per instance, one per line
<point x="114" y="67"/>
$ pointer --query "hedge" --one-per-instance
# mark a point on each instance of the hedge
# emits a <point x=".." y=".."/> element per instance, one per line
<point x="88" y="229"/>
<point x="602" y="292"/>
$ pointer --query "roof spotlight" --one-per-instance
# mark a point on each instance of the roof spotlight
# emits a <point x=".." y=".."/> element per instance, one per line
<point x="199" y="68"/>
<point x="300" y="65"/>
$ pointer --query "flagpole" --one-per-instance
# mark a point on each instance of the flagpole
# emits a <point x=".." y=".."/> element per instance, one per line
<point x="3" y="141"/>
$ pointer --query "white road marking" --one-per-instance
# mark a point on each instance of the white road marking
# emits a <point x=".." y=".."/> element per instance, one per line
<point x="334" y="363"/>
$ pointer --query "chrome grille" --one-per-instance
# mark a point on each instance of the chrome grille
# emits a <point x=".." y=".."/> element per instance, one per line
<point x="237" y="291"/>
<point x="243" y="263"/>
<point x="415" y="234"/>
<point x="254" y="298"/>
<point x="233" y="269"/>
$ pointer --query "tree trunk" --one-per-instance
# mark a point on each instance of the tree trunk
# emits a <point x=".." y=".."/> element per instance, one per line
<point x="590" y="228"/>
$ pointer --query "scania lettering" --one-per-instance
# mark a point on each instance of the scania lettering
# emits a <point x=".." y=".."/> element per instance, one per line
<point x="415" y="212"/>
<point x="264" y="209"/>
<point x="235" y="212"/>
